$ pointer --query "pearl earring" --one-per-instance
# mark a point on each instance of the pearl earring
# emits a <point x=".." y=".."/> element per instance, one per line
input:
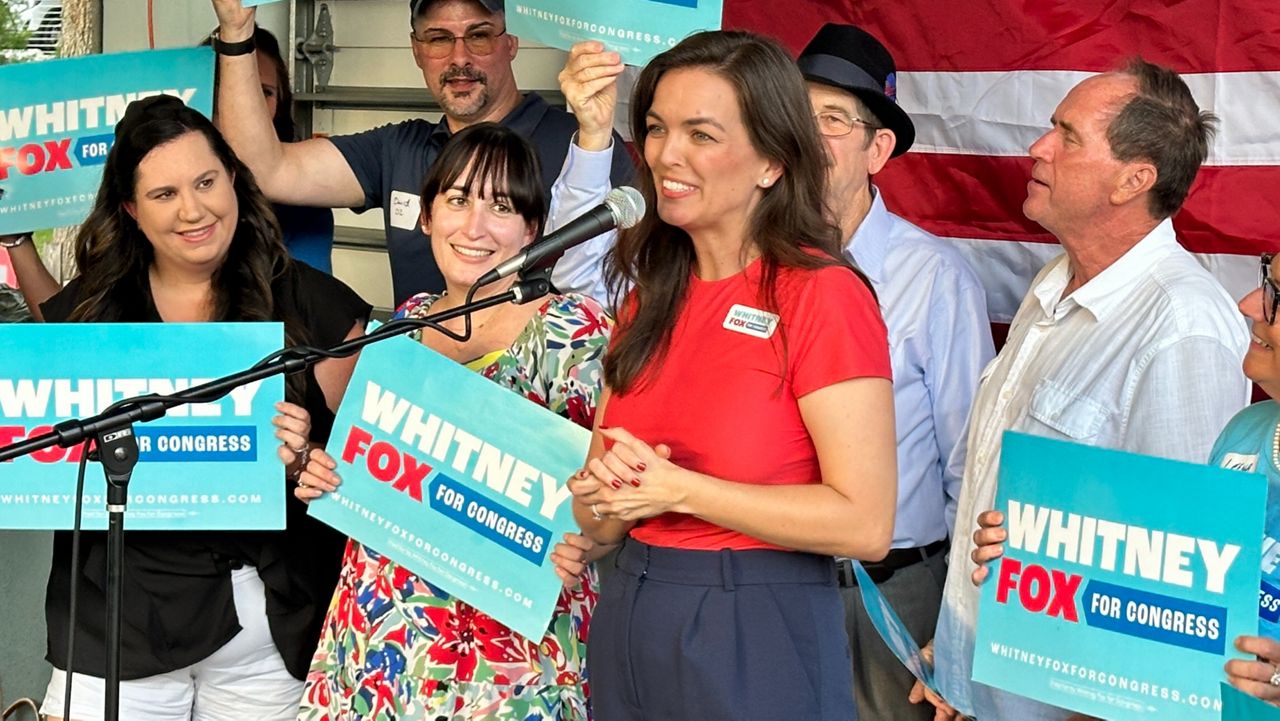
<point x="765" y="182"/>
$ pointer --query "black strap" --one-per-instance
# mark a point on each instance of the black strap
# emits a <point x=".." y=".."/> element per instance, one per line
<point x="244" y="47"/>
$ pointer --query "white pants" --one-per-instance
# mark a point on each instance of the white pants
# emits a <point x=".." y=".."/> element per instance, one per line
<point x="245" y="679"/>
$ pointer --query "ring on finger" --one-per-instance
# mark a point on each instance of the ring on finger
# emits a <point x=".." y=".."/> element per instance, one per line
<point x="595" y="514"/>
<point x="1275" y="677"/>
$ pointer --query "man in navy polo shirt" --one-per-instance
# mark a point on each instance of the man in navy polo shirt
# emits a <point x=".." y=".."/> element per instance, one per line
<point x="465" y="54"/>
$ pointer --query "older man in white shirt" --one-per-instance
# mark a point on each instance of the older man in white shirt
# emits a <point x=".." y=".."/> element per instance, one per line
<point x="1123" y="342"/>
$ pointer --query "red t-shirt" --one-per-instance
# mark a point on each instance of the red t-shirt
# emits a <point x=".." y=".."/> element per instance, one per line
<point x="725" y="396"/>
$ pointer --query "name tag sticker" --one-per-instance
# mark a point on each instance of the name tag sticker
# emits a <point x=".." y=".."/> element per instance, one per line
<point x="751" y="321"/>
<point x="405" y="209"/>
<point x="1240" y="462"/>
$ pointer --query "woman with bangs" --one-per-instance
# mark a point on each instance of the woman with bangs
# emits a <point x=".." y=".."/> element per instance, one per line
<point x="394" y="646"/>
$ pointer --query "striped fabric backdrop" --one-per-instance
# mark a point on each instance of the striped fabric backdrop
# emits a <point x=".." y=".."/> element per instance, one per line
<point x="980" y="79"/>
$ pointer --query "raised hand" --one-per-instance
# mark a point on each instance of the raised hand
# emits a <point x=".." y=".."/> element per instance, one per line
<point x="589" y="82"/>
<point x="235" y="21"/>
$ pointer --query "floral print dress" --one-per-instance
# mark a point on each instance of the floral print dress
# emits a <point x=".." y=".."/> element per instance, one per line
<point x="396" y="647"/>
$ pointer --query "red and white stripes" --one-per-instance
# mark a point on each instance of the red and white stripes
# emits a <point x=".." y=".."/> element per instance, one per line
<point x="981" y="78"/>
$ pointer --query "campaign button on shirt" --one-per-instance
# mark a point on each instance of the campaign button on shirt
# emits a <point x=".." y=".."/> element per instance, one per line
<point x="751" y="321"/>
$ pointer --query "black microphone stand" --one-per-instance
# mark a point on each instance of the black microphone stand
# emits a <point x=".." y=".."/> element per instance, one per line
<point x="117" y="448"/>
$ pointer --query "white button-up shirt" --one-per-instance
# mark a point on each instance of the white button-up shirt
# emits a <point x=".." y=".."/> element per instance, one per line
<point x="939" y="342"/>
<point x="1144" y="357"/>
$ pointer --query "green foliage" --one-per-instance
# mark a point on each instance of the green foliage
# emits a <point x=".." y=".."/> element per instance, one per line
<point x="13" y="36"/>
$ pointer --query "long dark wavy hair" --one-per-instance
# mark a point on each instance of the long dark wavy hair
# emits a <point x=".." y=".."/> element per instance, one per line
<point x="115" y="257"/>
<point x="789" y="226"/>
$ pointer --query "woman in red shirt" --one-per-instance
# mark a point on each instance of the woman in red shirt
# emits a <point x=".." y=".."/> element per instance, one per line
<point x="746" y="435"/>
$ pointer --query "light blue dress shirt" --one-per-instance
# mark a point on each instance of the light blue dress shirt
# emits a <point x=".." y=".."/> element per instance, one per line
<point x="582" y="184"/>
<point x="939" y="342"/>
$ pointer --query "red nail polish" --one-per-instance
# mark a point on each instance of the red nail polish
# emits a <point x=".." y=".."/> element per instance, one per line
<point x="635" y="482"/>
<point x="640" y="467"/>
<point x="616" y="484"/>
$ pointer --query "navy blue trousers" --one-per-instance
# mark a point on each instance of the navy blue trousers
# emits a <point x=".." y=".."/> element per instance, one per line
<point x="709" y="635"/>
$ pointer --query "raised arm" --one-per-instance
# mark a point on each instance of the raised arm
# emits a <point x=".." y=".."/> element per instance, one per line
<point x="311" y="172"/>
<point x="589" y="82"/>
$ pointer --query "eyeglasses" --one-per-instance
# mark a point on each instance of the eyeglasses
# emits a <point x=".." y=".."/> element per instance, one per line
<point x="440" y="44"/>
<point x="1270" y="291"/>
<point x="837" y="125"/>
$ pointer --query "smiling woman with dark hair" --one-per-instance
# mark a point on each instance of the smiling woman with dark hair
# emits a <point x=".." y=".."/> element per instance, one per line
<point x="307" y="232"/>
<point x="216" y="624"/>
<point x="394" y="645"/>
<point x="1252" y="438"/>
<point x="747" y="431"/>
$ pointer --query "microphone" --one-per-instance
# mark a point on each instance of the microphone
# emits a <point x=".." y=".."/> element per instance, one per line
<point x="622" y="208"/>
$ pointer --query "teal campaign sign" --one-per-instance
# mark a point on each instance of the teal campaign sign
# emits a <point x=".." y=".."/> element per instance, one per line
<point x="456" y="478"/>
<point x="57" y="123"/>
<point x="892" y="630"/>
<point x="636" y="29"/>
<point x="1124" y="581"/>
<point x="208" y="466"/>
<point x="1240" y="706"/>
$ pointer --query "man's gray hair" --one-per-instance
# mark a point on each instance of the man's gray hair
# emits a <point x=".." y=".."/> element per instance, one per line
<point x="1162" y="124"/>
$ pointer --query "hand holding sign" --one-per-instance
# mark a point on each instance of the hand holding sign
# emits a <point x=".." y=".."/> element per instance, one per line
<point x="989" y="538"/>
<point x="293" y="430"/>
<point x="572" y="557"/>
<point x="318" y="477"/>
<point x="1256" y="677"/>
<point x="920" y="693"/>
<point x="589" y="82"/>
<point x="235" y="19"/>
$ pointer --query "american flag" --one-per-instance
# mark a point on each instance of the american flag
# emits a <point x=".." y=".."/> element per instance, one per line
<point x="980" y="79"/>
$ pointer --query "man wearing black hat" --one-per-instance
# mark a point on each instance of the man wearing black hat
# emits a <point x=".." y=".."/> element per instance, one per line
<point x="939" y="338"/>
<point x="465" y="54"/>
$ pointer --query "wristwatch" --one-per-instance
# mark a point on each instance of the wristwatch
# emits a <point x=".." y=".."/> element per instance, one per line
<point x="244" y="47"/>
<point x="13" y="241"/>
